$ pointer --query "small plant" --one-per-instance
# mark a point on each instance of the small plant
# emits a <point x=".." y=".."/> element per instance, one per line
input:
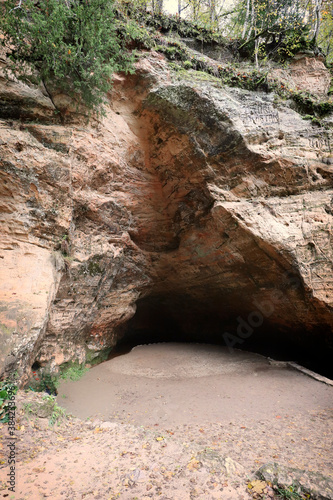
<point x="307" y="117"/>
<point x="289" y="493"/>
<point x="309" y="105"/>
<point x="58" y="413"/>
<point x="8" y="390"/>
<point x="44" y="382"/>
<point x="46" y="407"/>
<point x="187" y="65"/>
<point x="73" y="372"/>
<point x="27" y="407"/>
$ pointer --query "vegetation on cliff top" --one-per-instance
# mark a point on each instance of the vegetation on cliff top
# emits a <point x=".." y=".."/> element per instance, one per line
<point x="76" y="46"/>
<point x="72" y="44"/>
<point x="263" y="26"/>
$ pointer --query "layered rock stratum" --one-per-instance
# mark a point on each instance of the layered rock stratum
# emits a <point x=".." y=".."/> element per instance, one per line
<point x="190" y="210"/>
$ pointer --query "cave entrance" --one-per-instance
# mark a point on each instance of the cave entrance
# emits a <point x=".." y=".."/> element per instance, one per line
<point x="182" y="319"/>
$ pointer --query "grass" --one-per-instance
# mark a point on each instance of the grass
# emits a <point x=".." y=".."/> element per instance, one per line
<point x="27" y="407"/>
<point x="73" y="372"/>
<point x="43" y="381"/>
<point x="8" y="390"/>
<point x="47" y="407"/>
<point x="58" y="413"/>
<point x="290" y="493"/>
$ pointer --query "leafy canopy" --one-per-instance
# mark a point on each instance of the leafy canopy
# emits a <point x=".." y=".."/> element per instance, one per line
<point x="71" y="44"/>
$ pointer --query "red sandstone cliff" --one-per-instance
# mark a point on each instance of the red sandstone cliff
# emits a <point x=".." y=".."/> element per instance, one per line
<point x="198" y="205"/>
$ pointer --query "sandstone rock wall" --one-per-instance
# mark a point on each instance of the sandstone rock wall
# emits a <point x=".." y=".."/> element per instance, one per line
<point x="192" y="204"/>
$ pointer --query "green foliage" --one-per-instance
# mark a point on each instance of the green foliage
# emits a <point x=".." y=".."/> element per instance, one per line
<point x="325" y="38"/>
<point x="69" y="44"/>
<point x="173" y="51"/>
<point x="290" y="493"/>
<point x="73" y="372"/>
<point x="229" y="74"/>
<point x="187" y="65"/>
<point x="43" y="381"/>
<point x="163" y="23"/>
<point x="309" y="105"/>
<point x="7" y="390"/>
<point x="47" y="407"/>
<point x="130" y="31"/>
<point x="272" y="28"/>
<point x="250" y="80"/>
<point x="293" y="41"/>
<point x="58" y="413"/>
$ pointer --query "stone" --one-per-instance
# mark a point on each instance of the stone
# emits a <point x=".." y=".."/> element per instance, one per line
<point x="42" y="409"/>
<point x="190" y="209"/>
<point x="305" y="73"/>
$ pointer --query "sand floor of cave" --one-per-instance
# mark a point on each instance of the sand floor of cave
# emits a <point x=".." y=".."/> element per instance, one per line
<point x="174" y="383"/>
<point x="175" y="422"/>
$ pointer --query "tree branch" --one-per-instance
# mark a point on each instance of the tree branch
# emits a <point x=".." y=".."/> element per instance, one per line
<point x="17" y="7"/>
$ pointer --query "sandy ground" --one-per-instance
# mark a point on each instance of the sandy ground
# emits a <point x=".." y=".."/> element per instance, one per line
<point x="174" y="421"/>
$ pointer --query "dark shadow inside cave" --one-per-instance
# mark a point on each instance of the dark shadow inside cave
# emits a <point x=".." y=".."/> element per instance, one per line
<point x="178" y="318"/>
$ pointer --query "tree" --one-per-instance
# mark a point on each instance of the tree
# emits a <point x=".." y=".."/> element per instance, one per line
<point x="325" y="35"/>
<point x="317" y="17"/>
<point x="271" y="27"/>
<point x="72" y="44"/>
<point x="246" y="18"/>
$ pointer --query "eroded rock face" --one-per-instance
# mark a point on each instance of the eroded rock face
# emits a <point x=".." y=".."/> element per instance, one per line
<point x="306" y="73"/>
<point x="200" y="207"/>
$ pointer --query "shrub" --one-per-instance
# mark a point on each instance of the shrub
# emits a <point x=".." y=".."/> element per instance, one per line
<point x="70" y="43"/>
<point x="187" y="65"/>
<point x="43" y="381"/>
<point x="7" y="391"/>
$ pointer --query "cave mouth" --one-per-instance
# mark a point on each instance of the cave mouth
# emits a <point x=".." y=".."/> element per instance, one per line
<point x="160" y="318"/>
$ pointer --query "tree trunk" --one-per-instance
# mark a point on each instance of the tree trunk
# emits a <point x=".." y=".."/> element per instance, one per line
<point x="159" y="6"/>
<point x="195" y="10"/>
<point x="317" y="15"/>
<point x="212" y="10"/>
<point x="246" y="18"/>
<point x="253" y="14"/>
<point x="256" y="50"/>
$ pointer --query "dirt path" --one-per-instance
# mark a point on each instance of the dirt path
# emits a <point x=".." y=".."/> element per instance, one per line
<point x="175" y="422"/>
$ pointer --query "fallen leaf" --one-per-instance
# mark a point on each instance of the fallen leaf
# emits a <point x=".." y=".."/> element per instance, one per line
<point x="194" y="465"/>
<point x="39" y="469"/>
<point x="258" y="486"/>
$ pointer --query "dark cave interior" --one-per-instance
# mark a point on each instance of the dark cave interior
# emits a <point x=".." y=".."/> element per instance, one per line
<point x="165" y="318"/>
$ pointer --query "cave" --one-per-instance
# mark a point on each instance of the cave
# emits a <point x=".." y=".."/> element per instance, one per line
<point x="178" y="318"/>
